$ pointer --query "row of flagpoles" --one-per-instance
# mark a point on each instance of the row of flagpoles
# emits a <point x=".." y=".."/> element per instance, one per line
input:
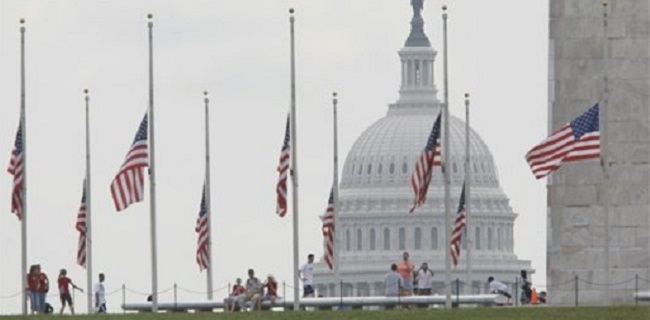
<point x="128" y="185"/>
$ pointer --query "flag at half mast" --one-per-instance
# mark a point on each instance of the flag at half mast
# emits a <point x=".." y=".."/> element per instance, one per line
<point x="457" y="231"/>
<point x="16" y="169"/>
<point x="328" y="232"/>
<point x="128" y="185"/>
<point x="80" y="225"/>
<point x="283" y="170"/>
<point x="202" y="230"/>
<point x="577" y="140"/>
<point x="430" y="157"/>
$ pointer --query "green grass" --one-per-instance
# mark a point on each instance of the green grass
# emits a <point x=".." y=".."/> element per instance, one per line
<point x="532" y="313"/>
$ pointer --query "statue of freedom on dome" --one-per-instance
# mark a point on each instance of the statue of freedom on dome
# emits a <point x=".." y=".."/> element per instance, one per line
<point x="417" y="7"/>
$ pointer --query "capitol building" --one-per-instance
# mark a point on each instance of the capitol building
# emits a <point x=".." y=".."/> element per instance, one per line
<point x="374" y="226"/>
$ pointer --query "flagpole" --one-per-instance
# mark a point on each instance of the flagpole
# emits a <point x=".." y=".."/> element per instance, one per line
<point x="207" y="193"/>
<point x="337" y="242"/>
<point x="604" y="157"/>
<point x="152" y="177"/>
<point x="468" y="201"/>
<point x="89" y="260"/>
<point x="445" y="168"/>
<point x="294" y="171"/>
<point x="23" y="123"/>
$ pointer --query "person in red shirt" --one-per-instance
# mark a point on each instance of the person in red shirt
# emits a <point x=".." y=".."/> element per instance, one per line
<point x="271" y="289"/>
<point x="32" y="289"/>
<point x="64" y="290"/>
<point x="237" y="290"/>
<point x="42" y="289"/>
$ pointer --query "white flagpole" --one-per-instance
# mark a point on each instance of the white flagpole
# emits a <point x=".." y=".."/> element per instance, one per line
<point x="294" y="172"/>
<point x="445" y="168"/>
<point x="152" y="177"/>
<point x="468" y="200"/>
<point x="89" y="260"/>
<point x="23" y="123"/>
<point x="207" y="193"/>
<point x="337" y="242"/>
<point x="604" y="157"/>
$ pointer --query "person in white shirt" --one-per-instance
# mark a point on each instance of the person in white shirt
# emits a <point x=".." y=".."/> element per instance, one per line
<point x="100" y="295"/>
<point x="307" y="276"/>
<point x="499" y="287"/>
<point x="424" y="278"/>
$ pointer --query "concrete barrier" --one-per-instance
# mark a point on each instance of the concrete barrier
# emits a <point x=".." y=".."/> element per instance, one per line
<point x="329" y="302"/>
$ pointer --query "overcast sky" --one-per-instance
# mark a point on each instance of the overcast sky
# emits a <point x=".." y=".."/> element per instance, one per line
<point x="239" y="51"/>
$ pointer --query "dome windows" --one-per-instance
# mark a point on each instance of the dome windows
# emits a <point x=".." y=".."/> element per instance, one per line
<point x="391" y="169"/>
<point x="490" y="240"/>
<point x="477" y="238"/>
<point x="360" y="169"/>
<point x="386" y="239"/>
<point x="369" y="168"/>
<point x="402" y="239"/>
<point x="379" y="169"/>
<point x="359" y="240"/>
<point x="434" y="238"/>
<point x="373" y="239"/>
<point x="405" y="168"/>
<point x="417" y="234"/>
<point x="347" y="240"/>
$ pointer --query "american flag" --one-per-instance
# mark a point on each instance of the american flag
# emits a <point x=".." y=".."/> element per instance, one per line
<point x="430" y="157"/>
<point x="202" y="223"/>
<point x="577" y="140"/>
<point x="457" y="232"/>
<point x="81" y="227"/>
<point x="328" y="232"/>
<point x="16" y="169"/>
<point x="283" y="169"/>
<point x="128" y="185"/>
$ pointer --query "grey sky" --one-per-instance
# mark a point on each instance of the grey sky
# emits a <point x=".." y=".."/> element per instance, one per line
<point x="239" y="51"/>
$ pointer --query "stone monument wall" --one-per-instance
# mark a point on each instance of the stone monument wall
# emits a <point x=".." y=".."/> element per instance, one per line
<point x="577" y="226"/>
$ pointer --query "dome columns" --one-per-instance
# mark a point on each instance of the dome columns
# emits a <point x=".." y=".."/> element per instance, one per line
<point x="417" y="74"/>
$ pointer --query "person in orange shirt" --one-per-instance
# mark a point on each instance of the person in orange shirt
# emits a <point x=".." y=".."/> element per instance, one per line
<point x="406" y="269"/>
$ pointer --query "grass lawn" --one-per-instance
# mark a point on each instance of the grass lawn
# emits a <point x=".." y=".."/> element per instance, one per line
<point x="532" y="313"/>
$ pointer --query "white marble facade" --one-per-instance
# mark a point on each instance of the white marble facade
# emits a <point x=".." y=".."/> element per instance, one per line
<point x="375" y="195"/>
<point x="576" y="220"/>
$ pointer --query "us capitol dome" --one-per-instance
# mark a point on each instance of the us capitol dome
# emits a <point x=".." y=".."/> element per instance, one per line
<point x="375" y="194"/>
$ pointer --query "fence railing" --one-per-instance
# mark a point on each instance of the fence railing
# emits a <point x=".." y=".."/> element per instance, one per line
<point x="636" y="288"/>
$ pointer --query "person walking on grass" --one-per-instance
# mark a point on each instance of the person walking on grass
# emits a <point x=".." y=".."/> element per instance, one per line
<point x="100" y="295"/>
<point x="64" y="290"/>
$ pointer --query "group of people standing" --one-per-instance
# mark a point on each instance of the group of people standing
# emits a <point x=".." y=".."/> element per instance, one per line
<point x="38" y="285"/>
<point x="405" y="280"/>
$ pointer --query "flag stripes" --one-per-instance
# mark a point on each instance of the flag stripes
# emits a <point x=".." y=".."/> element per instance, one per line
<point x="128" y="185"/>
<point x="283" y="170"/>
<point x="457" y="231"/>
<point x="578" y="140"/>
<point x="328" y="232"/>
<point x="430" y="157"/>
<point x="80" y="226"/>
<point x="202" y="224"/>
<point x="16" y="169"/>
